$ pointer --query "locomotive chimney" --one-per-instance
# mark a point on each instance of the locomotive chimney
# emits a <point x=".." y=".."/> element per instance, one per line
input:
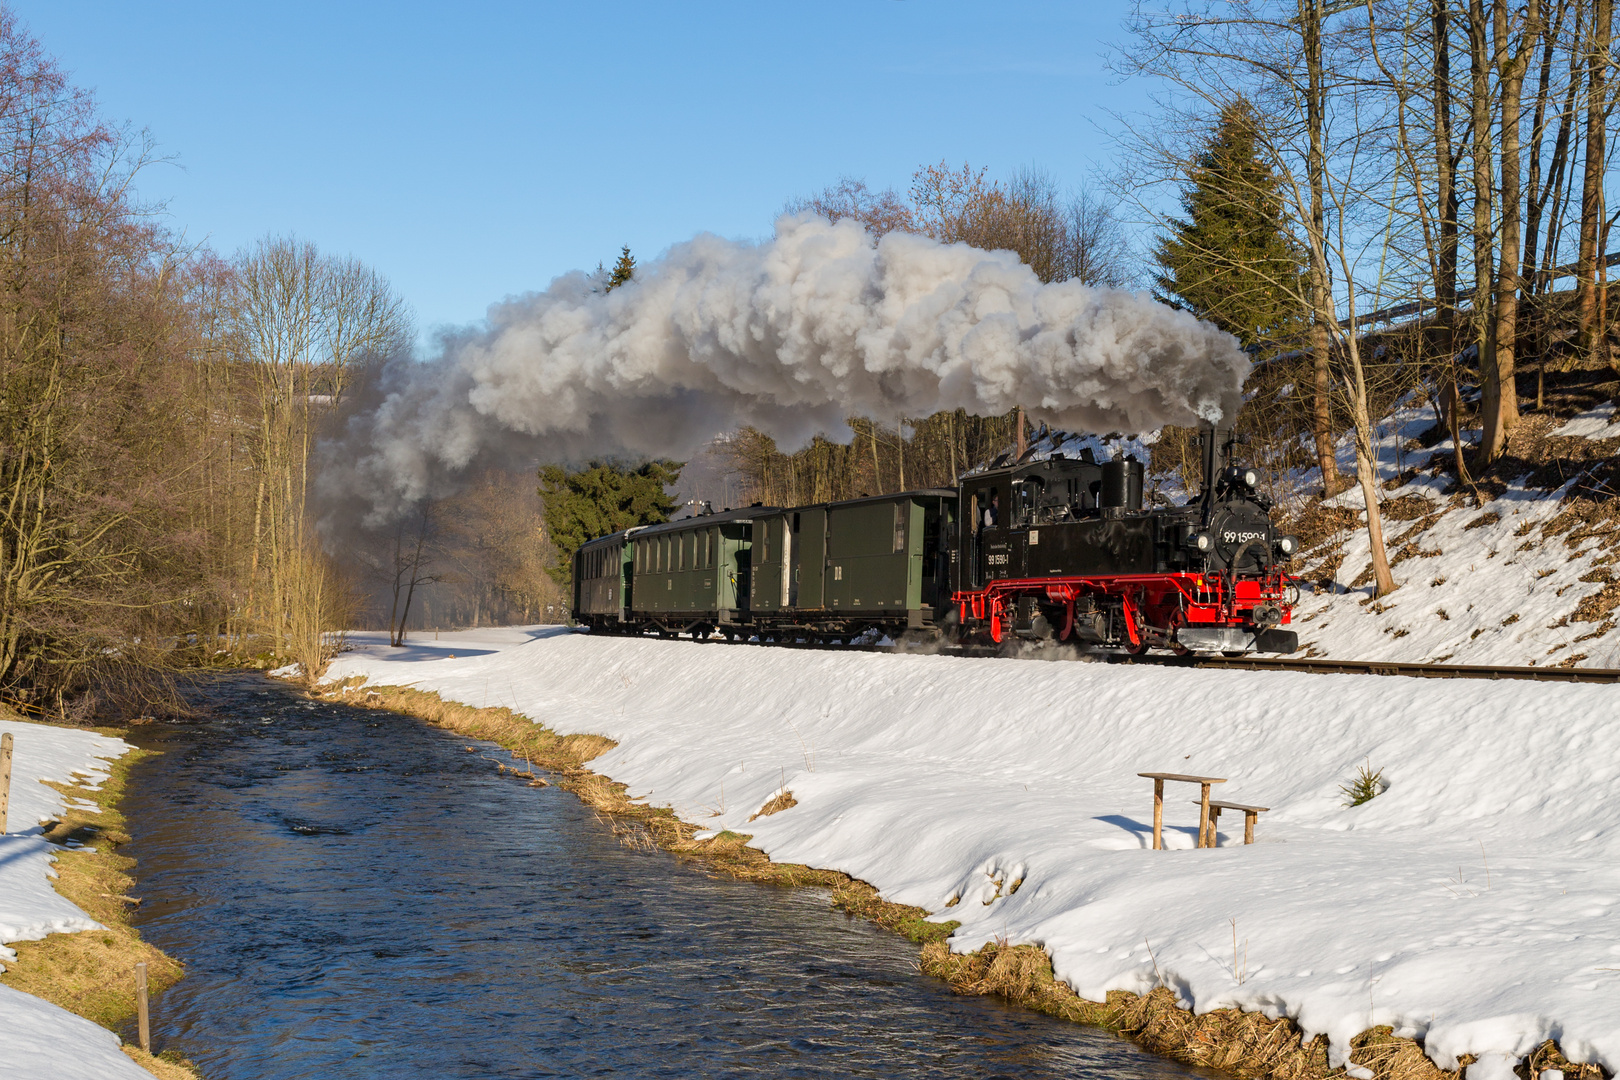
<point x="1216" y="443"/>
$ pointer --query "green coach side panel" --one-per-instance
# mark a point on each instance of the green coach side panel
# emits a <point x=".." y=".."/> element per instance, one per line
<point x="868" y="558"/>
<point x="694" y="569"/>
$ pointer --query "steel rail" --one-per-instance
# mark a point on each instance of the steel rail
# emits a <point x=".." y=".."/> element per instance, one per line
<point x="1321" y="665"/>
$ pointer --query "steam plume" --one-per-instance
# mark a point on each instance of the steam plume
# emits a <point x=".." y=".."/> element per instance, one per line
<point x="790" y="335"/>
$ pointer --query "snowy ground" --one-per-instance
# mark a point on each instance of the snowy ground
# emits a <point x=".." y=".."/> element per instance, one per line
<point x="1472" y="904"/>
<point x="1482" y="585"/>
<point x="38" y="1040"/>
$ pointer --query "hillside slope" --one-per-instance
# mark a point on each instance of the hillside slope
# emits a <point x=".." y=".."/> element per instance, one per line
<point x="1517" y="571"/>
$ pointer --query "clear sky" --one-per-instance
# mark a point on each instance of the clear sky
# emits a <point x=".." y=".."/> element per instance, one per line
<point x="472" y="151"/>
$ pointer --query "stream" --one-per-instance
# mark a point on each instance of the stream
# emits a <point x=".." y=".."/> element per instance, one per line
<point x="355" y="894"/>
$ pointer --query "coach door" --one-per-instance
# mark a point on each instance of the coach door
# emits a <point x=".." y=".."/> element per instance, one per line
<point x="767" y="589"/>
<point x="809" y="557"/>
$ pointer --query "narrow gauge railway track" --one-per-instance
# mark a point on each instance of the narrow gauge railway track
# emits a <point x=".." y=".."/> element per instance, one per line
<point x="1421" y="671"/>
<point x="1316" y="665"/>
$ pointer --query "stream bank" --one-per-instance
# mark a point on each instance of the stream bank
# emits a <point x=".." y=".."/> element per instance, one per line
<point x="91" y="972"/>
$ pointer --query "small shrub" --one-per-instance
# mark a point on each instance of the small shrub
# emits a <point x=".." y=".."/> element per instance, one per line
<point x="1365" y="786"/>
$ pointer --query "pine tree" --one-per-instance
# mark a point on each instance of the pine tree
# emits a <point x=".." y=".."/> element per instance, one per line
<point x="600" y="499"/>
<point x="623" y="270"/>
<point x="1234" y="260"/>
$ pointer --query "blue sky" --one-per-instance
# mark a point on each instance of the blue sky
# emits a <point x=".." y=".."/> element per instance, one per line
<point x="477" y="150"/>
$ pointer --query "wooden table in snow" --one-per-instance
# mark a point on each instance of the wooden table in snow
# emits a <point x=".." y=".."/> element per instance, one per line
<point x="1205" y="833"/>
<point x="1250" y="813"/>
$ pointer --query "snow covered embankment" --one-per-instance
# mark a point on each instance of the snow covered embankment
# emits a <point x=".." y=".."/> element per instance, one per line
<point x="1516" y="580"/>
<point x="39" y="1040"/>
<point x="1471" y="905"/>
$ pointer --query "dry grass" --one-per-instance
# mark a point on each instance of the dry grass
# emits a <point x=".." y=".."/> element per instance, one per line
<point x="92" y="973"/>
<point x="782" y="800"/>
<point x="1241" y="1044"/>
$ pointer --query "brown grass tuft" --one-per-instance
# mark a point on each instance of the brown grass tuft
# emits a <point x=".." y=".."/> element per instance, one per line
<point x="781" y="801"/>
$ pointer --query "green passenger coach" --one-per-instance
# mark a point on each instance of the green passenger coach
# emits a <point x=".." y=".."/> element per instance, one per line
<point x="840" y="569"/>
<point x="693" y="574"/>
<point x="833" y="571"/>
<point x="602" y="580"/>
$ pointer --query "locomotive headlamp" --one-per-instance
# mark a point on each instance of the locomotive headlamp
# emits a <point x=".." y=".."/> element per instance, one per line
<point x="1250" y="478"/>
<point x="1203" y="541"/>
<point x="1288" y="545"/>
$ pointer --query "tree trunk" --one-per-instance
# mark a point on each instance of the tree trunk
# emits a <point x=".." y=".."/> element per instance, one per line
<point x="1322" y="315"/>
<point x="1445" y="281"/>
<point x="1367" y="469"/>
<point x="1597" y="61"/>
<point x="1501" y="396"/>
<point x="1483" y="232"/>
<point x="900" y="450"/>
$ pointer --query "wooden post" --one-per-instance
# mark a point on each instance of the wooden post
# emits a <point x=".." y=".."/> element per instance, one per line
<point x="1158" y="813"/>
<point x="143" y="1019"/>
<point x="1214" y="825"/>
<point x="5" y="779"/>
<point x="1249" y="818"/>
<point x="1203" y="814"/>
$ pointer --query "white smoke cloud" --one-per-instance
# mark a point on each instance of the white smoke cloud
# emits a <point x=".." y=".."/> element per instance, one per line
<point x="790" y="335"/>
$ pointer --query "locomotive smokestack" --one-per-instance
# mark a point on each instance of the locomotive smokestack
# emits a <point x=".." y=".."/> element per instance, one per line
<point x="1217" y="443"/>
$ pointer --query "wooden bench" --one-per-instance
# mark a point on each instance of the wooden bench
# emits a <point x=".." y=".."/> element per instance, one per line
<point x="1204" y="782"/>
<point x="1250" y="814"/>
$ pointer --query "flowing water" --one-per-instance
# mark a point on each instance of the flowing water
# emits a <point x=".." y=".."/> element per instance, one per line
<point x="355" y="894"/>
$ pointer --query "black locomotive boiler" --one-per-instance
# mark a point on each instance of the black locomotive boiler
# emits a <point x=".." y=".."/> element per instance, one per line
<point x="1061" y="548"/>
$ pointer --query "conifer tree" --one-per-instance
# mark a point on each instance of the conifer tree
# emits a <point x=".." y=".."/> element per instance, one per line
<point x="1234" y="260"/>
<point x="623" y="270"/>
<point x="599" y="499"/>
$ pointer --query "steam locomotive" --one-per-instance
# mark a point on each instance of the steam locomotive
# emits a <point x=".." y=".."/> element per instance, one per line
<point x="1061" y="548"/>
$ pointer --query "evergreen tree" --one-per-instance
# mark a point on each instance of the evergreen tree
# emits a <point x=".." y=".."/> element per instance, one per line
<point x="1234" y="260"/>
<point x="600" y="499"/>
<point x="623" y="270"/>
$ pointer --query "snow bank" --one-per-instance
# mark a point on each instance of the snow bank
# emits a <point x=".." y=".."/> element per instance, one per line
<point x="1478" y="585"/>
<point x="1472" y="904"/>
<point x="1596" y="423"/>
<point x="38" y="1039"/>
